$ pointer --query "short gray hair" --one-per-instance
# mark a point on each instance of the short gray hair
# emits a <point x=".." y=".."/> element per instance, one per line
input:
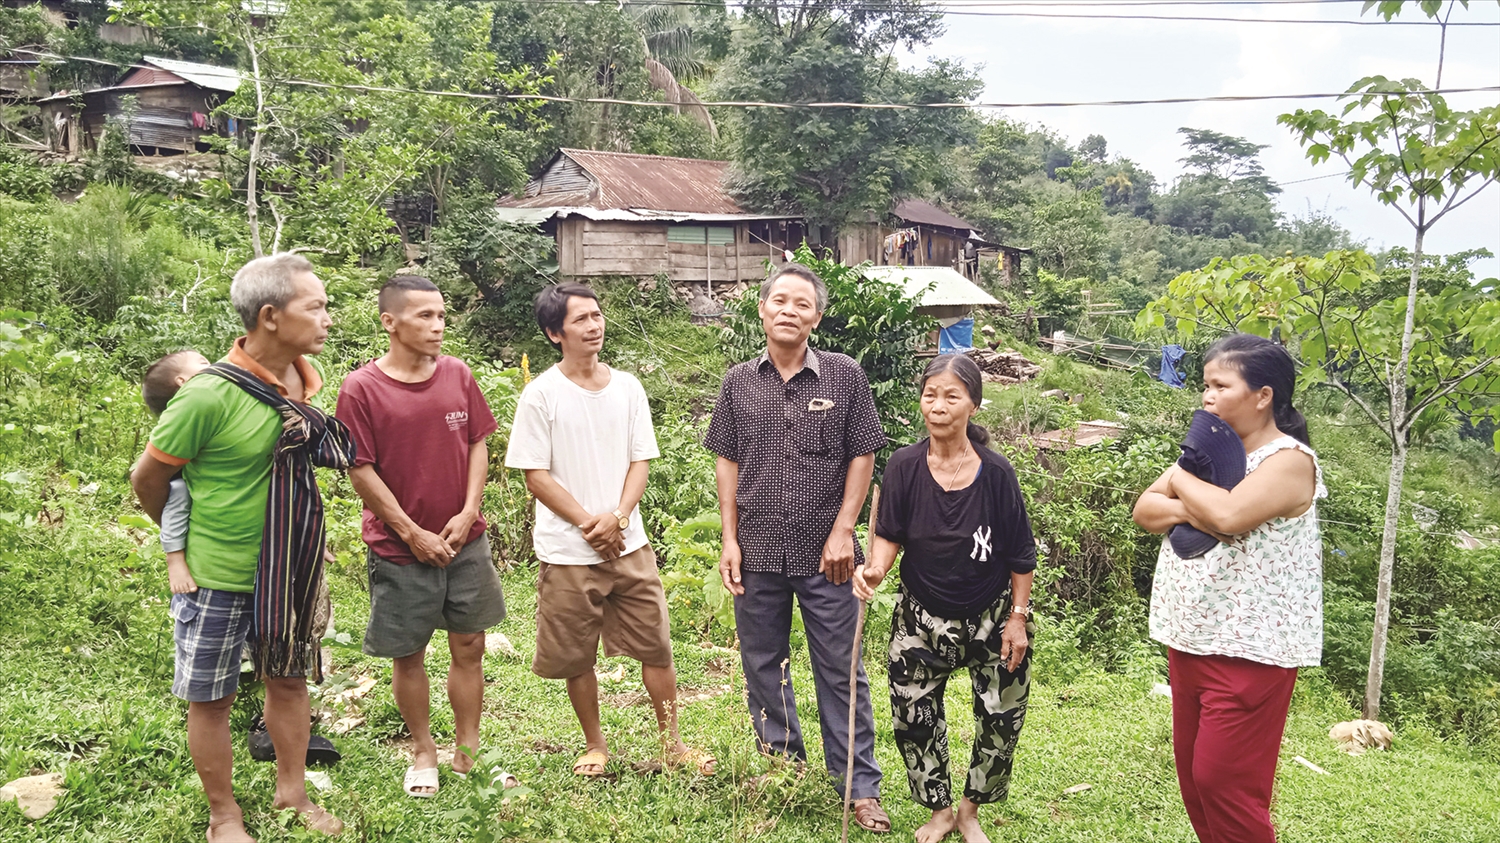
<point x="797" y="270"/>
<point x="263" y="281"/>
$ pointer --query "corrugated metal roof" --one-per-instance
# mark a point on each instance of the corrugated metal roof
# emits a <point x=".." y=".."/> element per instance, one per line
<point x="948" y="288"/>
<point x="626" y="180"/>
<point x="169" y="72"/>
<point x="647" y="186"/>
<point x="925" y="213"/>
<point x="203" y="75"/>
<point x="537" y="214"/>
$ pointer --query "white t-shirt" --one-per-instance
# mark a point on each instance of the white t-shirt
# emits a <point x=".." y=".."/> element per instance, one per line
<point x="587" y="441"/>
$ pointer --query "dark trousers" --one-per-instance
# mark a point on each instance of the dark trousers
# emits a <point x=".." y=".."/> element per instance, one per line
<point x="763" y="615"/>
<point x="1228" y="715"/>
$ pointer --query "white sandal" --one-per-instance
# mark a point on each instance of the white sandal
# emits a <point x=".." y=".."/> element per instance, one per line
<point x="426" y="777"/>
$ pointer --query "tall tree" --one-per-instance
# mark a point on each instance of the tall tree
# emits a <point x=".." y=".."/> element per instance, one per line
<point x="1225" y="191"/>
<point x="839" y="165"/>
<point x="1402" y="142"/>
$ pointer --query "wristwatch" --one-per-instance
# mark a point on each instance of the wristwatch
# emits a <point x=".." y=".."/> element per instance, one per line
<point x="624" y="519"/>
<point x="1023" y="611"/>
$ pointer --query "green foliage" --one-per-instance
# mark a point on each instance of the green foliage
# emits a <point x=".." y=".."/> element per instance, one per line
<point x="23" y="178"/>
<point x="105" y="250"/>
<point x="25" y="274"/>
<point x="507" y="265"/>
<point x="871" y="321"/>
<point x="838" y="166"/>
<point x="1413" y="149"/>
<point x="1348" y="333"/>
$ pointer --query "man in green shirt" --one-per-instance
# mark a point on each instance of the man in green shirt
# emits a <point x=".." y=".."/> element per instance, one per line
<point x="221" y="439"/>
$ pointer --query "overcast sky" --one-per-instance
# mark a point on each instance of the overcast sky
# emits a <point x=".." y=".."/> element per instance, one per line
<point x="1052" y="59"/>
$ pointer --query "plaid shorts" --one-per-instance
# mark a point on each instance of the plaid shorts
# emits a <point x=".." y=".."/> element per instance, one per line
<point x="210" y="631"/>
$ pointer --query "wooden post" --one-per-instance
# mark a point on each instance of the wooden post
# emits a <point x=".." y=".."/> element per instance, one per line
<point x="859" y="634"/>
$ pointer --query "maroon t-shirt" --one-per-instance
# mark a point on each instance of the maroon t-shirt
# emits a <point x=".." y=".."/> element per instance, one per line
<point x="417" y="435"/>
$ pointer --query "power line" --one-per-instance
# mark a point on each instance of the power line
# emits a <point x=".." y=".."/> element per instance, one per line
<point x="951" y="7"/>
<point x="888" y="106"/>
<point x="1315" y="178"/>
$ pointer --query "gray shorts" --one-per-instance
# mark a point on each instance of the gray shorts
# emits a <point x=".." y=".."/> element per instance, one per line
<point x="408" y="602"/>
<point x="210" y="631"/>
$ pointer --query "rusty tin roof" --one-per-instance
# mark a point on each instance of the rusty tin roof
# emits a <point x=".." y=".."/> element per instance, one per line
<point x="629" y="181"/>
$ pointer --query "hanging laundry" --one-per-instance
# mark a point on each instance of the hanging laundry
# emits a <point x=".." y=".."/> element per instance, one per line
<point x="234" y="127"/>
<point x="1171" y="358"/>
<point x="200" y="120"/>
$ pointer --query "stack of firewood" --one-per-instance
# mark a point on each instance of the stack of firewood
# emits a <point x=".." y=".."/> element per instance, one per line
<point x="1006" y="366"/>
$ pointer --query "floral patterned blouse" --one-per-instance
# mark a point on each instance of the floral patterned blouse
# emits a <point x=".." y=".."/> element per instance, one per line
<point x="1258" y="598"/>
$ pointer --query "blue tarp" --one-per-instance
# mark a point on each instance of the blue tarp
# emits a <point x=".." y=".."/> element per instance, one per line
<point x="1171" y="356"/>
<point x="956" y="337"/>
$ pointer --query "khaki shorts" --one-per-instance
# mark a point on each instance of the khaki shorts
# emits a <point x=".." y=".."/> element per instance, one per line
<point x="620" y="601"/>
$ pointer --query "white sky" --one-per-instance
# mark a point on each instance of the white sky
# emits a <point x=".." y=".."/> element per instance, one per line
<point x="1042" y="59"/>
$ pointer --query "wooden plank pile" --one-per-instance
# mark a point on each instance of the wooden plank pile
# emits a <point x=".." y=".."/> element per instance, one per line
<point x="1005" y="367"/>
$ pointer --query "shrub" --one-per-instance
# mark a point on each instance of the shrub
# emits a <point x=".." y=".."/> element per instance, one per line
<point x="25" y="276"/>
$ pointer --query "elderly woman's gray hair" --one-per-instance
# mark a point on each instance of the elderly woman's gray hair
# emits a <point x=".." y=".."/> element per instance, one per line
<point x="268" y="280"/>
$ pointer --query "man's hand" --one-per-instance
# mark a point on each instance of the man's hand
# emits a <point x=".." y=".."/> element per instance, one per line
<point x="429" y="548"/>
<point x="1013" y="642"/>
<point x="456" y="531"/>
<point x="838" y="556"/>
<point x="729" y="568"/>
<point x="604" y="535"/>
<point x="867" y="581"/>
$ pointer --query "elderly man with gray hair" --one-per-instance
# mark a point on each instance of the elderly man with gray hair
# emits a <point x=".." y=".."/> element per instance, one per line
<point x="221" y="430"/>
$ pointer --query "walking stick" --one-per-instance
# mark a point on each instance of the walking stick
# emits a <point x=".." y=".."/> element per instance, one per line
<point x="859" y="634"/>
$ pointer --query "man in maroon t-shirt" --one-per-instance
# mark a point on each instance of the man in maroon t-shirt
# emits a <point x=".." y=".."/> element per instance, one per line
<point x="420" y="422"/>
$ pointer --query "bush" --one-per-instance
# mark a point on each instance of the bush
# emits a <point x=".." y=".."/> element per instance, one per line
<point x="25" y="275"/>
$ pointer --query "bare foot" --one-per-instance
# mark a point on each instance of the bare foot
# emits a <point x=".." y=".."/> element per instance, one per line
<point x="424" y="758"/>
<point x="228" y="829"/>
<point x="315" y="818"/>
<point x="941" y="825"/>
<point x="968" y="823"/>
<point x="463" y="762"/>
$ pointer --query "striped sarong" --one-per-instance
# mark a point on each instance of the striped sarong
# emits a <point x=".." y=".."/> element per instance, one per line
<point x="284" y="639"/>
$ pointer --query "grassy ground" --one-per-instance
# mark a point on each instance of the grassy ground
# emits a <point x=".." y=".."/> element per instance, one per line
<point x="98" y="708"/>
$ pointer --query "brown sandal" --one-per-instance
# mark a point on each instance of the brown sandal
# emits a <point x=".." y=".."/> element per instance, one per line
<point x="704" y="762"/>
<point x="869" y="816"/>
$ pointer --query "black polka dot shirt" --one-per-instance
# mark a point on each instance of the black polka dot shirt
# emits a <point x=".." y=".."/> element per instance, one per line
<point x="793" y="442"/>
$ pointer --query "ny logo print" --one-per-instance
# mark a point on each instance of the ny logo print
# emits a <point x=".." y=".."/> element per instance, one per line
<point x="981" y="549"/>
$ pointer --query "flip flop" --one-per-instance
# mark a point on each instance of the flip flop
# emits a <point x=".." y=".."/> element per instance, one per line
<point x="703" y="761"/>
<point x="587" y="759"/>
<point x="425" y="777"/>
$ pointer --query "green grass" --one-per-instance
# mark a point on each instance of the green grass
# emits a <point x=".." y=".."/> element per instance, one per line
<point x="95" y="704"/>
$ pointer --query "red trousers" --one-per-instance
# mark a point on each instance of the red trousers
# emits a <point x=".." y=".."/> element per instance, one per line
<point x="1228" y="716"/>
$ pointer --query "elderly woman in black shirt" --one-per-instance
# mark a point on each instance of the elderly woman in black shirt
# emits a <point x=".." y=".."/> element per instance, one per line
<point x="955" y="507"/>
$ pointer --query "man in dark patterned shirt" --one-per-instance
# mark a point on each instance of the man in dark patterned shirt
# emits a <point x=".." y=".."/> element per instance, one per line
<point x="796" y="433"/>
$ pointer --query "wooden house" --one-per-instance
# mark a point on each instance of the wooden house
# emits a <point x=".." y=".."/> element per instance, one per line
<point x="174" y="108"/>
<point x="616" y="213"/>
<point x="922" y="234"/>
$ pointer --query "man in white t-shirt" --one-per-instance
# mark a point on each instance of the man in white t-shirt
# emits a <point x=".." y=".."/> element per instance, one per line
<point x="583" y="436"/>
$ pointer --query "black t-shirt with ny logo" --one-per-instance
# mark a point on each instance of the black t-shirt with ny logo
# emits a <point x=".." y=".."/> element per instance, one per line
<point x="960" y="546"/>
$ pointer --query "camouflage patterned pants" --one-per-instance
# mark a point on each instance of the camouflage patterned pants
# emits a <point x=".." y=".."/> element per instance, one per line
<point x="925" y="650"/>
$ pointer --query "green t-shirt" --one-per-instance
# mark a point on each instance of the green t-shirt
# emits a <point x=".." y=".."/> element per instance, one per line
<point x="227" y="438"/>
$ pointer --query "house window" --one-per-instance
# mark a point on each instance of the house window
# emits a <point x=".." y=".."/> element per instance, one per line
<point x="699" y="235"/>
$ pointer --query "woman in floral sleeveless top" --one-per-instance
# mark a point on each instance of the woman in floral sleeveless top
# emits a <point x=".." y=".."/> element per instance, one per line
<point x="1239" y="620"/>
